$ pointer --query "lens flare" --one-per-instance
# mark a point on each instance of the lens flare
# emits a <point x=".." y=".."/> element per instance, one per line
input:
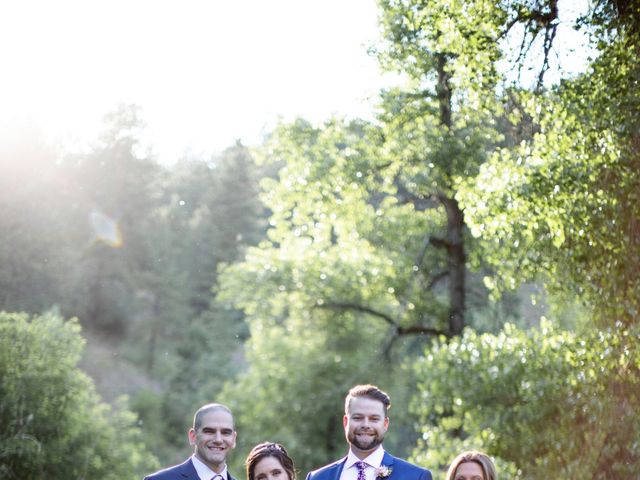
<point x="106" y="229"/>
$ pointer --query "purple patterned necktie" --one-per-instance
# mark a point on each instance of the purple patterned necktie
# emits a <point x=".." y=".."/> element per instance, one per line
<point x="361" y="466"/>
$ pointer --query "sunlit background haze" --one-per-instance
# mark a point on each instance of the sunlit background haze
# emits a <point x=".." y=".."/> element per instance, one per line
<point x="205" y="73"/>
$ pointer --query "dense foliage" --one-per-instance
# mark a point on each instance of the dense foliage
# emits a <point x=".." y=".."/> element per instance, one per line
<point x="131" y="248"/>
<point x="537" y="400"/>
<point x="54" y="425"/>
<point x="565" y="204"/>
<point x="328" y="269"/>
<point x="559" y="205"/>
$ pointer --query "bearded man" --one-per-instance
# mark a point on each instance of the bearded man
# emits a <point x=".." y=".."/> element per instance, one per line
<point x="365" y="422"/>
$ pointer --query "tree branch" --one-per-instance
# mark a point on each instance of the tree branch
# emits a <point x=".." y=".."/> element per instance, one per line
<point x="360" y="308"/>
<point x="436" y="278"/>
<point x="421" y="254"/>
<point x="439" y="242"/>
<point x="420" y="330"/>
<point x="413" y="330"/>
<point x="549" y="35"/>
<point x="420" y="203"/>
<point x="398" y="330"/>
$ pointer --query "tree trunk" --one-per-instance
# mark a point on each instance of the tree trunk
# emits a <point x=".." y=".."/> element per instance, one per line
<point x="456" y="259"/>
<point x="455" y="218"/>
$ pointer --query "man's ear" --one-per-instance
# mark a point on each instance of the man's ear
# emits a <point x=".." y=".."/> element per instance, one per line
<point x="192" y="436"/>
<point x="345" y="420"/>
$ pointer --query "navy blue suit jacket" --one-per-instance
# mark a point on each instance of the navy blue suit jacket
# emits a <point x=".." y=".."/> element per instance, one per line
<point x="184" y="471"/>
<point x="400" y="470"/>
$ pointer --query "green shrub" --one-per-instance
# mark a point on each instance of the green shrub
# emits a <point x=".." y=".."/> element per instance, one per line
<point x="54" y="424"/>
<point x="547" y="403"/>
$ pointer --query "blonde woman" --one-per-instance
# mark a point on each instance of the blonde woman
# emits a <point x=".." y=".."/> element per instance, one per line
<point x="472" y="465"/>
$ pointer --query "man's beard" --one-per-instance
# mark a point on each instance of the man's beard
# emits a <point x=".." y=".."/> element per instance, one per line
<point x="368" y="445"/>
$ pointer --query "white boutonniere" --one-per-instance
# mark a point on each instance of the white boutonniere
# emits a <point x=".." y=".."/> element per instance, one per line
<point x="383" y="471"/>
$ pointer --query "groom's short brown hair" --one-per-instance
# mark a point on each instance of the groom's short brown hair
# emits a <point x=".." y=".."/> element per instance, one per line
<point x="367" y="391"/>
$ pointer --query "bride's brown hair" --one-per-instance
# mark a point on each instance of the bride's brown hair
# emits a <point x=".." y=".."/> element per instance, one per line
<point x="269" y="449"/>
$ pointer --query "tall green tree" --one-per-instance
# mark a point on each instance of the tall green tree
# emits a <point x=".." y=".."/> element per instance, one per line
<point x="440" y="126"/>
<point x="213" y="210"/>
<point x="565" y="203"/>
<point x="210" y="213"/>
<point x="328" y="267"/>
<point x="117" y="181"/>
<point x="561" y="204"/>
<point x="365" y="225"/>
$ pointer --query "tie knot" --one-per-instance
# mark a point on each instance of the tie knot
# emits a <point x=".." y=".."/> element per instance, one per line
<point x="361" y="466"/>
<point x="217" y="477"/>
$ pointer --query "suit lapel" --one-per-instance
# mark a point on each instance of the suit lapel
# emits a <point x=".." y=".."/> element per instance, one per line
<point x="387" y="461"/>
<point x="189" y="471"/>
<point x="338" y="470"/>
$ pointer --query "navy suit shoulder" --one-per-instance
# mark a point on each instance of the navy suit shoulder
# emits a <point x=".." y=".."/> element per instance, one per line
<point x="401" y="469"/>
<point x="328" y="472"/>
<point x="183" y="471"/>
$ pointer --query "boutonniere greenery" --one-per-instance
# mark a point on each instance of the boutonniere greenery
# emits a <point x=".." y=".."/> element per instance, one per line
<point x="383" y="471"/>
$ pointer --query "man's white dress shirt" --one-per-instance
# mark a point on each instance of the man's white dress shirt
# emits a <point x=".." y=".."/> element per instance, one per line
<point x="204" y="472"/>
<point x="373" y="461"/>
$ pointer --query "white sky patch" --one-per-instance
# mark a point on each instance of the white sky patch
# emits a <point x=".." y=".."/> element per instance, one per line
<point x="568" y="56"/>
<point x="205" y="72"/>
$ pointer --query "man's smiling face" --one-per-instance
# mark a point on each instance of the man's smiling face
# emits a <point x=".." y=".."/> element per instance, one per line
<point x="214" y="438"/>
<point x="365" y="424"/>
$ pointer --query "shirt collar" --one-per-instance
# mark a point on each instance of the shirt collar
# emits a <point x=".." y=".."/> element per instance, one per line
<point x="374" y="459"/>
<point x="203" y="470"/>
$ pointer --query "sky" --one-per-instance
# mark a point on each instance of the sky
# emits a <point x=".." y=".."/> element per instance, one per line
<point x="204" y="72"/>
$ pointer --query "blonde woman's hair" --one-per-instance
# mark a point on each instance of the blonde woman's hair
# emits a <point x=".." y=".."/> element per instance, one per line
<point x="482" y="459"/>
